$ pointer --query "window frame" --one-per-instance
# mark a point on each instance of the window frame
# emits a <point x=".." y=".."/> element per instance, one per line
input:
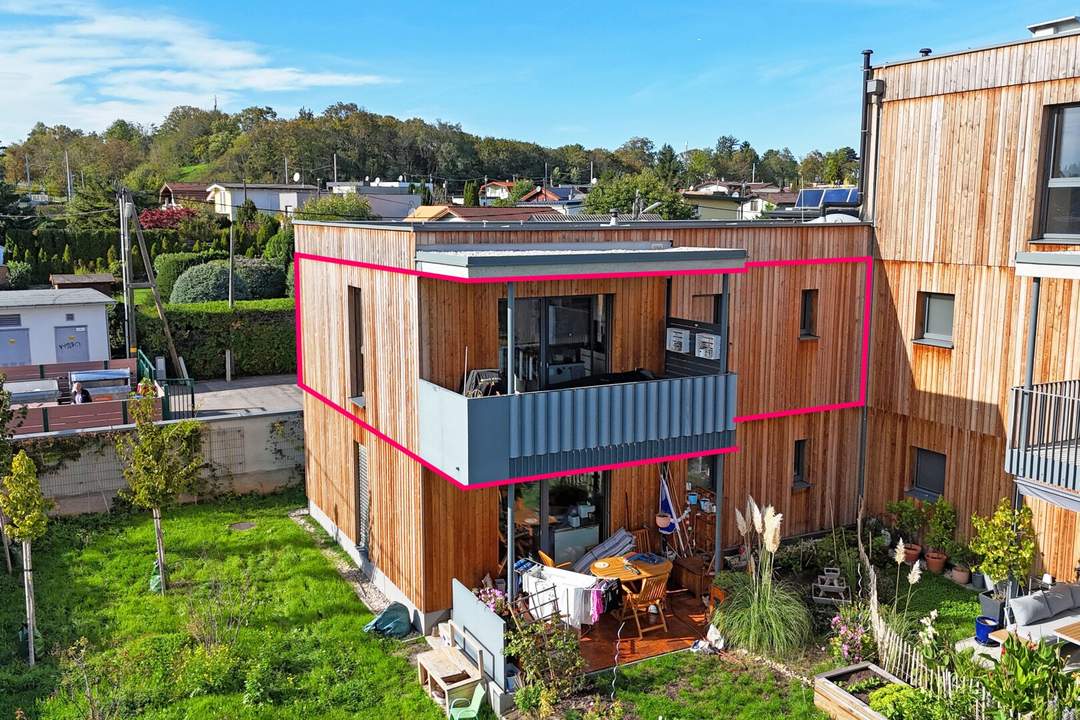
<point x="808" y="314"/>
<point x="918" y="491"/>
<point x="362" y="489"/>
<point x="1049" y="150"/>
<point x="934" y="339"/>
<point x="800" y="465"/>
<point x="355" y="315"/>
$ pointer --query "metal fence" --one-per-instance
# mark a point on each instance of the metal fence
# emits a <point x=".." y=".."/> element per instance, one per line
<point x="1044" y="433"/>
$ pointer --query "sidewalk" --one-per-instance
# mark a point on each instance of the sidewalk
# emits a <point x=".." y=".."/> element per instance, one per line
<point x="248" y="395"/>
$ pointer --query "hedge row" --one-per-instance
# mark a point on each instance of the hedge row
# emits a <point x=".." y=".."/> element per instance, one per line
<point x="261" y="333"/>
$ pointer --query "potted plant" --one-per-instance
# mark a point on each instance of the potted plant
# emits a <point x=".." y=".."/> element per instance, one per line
<point x="909" y="519"/>
<point x="940" y="534"/>
<point x="1005" y="546"/>
<point x="962" y="560"/>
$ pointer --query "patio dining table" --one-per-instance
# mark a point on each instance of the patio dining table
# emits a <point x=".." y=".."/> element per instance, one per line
<point x="625" y="570"/>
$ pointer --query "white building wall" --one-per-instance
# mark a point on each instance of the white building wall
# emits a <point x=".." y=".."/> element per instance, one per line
<point x="43" y="321"/>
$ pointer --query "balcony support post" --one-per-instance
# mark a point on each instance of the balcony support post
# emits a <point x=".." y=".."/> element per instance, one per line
<point x="1029" y="376"/>
<point x="511" y="382"/>
<point x="511" y="537"/>
<point x="718" y="466"/>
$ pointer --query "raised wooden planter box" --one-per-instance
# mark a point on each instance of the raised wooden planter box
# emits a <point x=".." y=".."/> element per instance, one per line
<point x="838" y="702"/>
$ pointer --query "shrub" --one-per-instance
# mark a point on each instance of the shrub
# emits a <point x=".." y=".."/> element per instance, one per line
<point x="264" y="280"/>
<point x="852" y="641"/>
<point x="772" y="623"/>
<point x="909" y="518"/>
<point x="170" y="266"/>
<point x="290" y="280"/>
<point x="551" y="663"/>
<point x="207" y="282"/>
<point x="941" y="525"/>
<point x="262" y="334"/>
<point x="1004" y="542"/>
<point x="18" y="275"/>
<point x="351" y="206"/>
<point x="164" y="218"/>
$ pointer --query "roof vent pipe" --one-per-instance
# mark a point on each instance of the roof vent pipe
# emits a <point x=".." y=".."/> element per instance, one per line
<point x="614" y="216"/>
<point x="925" y="51"/>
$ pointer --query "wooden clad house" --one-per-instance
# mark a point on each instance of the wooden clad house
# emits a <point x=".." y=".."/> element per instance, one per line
<point x="973" y="187"/>
<point x="419" y="445"/>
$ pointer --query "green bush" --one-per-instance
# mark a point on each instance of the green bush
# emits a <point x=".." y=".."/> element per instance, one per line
<point x="262" y="334"/>
<point x="18" y="275"/>
<point x="891" y="700"/>
<point x="770" y="619"/>
<point x="290" y="280"/>
<point x="264" y="280"/>
<point x="206" y="283"/>
<point x="170" y="266"/>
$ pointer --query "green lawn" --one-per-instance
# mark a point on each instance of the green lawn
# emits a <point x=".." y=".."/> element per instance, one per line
<point x="684" y="686"/>
<point x="956" y="605"/>
<point x="301" y="654"/>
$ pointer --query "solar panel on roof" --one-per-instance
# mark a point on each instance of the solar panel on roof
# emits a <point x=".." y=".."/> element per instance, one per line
<point x="809" y="198"/>
<point x="836" y="196"/>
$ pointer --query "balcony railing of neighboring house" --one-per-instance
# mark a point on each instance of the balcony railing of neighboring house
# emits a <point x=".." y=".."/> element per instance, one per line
<point x="477" y="440"/>
<point x="1044" y="434"/>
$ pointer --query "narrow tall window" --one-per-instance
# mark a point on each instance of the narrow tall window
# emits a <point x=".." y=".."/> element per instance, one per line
<point x="800" y="470"/>
<point x="935" y="323"/>
<point x="363" y="499"/>
<point x="808" y="314"/>
<point x="356" y="343"/>
<point x="1061" y="194"/>
<point x="929" y="477"/>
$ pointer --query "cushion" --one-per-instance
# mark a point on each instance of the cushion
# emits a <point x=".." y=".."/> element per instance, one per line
<point x="1075" y="589"/>
<point x="1029" y="609"/>
<point x="1059" y="598"/>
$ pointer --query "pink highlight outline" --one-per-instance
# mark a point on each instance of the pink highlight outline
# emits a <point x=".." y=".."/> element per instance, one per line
<point x="863" y="365"/>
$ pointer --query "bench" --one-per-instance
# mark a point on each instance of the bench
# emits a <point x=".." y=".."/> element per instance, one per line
<point x="447" y="673"/>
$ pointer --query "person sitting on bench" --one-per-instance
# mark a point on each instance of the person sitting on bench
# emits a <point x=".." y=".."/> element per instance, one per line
<point x="80" y="395"/>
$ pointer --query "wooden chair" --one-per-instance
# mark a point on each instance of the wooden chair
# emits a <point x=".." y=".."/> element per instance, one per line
<point x="642" y="540"/>
<point x="653" y="592"/>
<point x="546" y="560"/>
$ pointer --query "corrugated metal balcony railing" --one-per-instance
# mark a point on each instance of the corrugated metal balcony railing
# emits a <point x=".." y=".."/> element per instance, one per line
<point x="480" y="440"/>
<point x="1044" y="434"/>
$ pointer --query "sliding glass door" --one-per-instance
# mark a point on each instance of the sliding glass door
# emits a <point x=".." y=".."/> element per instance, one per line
<point x="576" y="508"/>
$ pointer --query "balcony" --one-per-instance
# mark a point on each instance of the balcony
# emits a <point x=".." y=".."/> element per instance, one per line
<point x="1044" y="435"/>
<point x="490" y="439"/>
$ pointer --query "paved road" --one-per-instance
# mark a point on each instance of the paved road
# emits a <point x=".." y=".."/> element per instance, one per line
<point x="248" y="395"/>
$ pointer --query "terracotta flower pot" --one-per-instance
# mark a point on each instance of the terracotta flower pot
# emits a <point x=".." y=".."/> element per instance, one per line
<point x="912" y="552"/>
<point x="935" y="561"/>
<point x="961" y="575"/>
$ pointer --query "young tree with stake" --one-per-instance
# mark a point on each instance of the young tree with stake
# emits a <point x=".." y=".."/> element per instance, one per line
<point x="161" y="460"/>
<point x="26" y="508"/>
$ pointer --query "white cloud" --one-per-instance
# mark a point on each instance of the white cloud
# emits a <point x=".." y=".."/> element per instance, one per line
<point x="85" y="65"/>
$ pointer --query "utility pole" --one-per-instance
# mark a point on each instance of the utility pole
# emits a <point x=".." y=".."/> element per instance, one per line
<point x="335" y="167"/>
<point x="67" y="173"/>
<point x="26" y="161"/>
<point x="125" y="272"/>
<point x="286" y="169"/>
<point x="232" y="304"/>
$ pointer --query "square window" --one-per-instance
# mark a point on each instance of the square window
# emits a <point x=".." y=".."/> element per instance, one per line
<point x="929" y="477"/>
<point x="808" y="314"/>
<point x="935" y="323"/>
<point x="69" y="317"/>
<point x="800" y="470"/>
<point x="1061" y="188"/>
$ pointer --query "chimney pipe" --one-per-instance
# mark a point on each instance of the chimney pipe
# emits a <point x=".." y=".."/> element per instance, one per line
<point x="864" y="134"/>
<point x="925" y="51"/>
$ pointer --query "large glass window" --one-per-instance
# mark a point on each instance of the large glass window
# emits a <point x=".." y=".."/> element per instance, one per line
<point x="577" y="516"/>
<point x="699" y="472"/>
<point x="557" y="340"/>
<point x="1061" y="203"/>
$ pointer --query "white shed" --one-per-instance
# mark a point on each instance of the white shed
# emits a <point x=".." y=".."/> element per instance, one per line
<point x="42" y="327"/>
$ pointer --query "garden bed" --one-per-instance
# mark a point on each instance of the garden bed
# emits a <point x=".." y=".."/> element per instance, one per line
<point x="844" y="693"/>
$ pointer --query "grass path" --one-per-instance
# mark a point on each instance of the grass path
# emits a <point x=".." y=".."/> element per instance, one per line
<point x="302" y="654"/>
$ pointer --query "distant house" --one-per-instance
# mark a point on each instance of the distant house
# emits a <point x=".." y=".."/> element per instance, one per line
<point x="389" y="199"/>
<point x="459" y="213"/>
<point x="736" y="199"/>
<point x="568" y="199"/>
<point x="171" y="193"/>
<point x="268" y="197"/>
<point x="42" y="327"/>
<point x="495" y="190"/>
<point x="102" y="282"/>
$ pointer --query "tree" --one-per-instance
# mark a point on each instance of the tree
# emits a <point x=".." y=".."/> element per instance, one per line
<point x="619" y="193"/>
<point x="668" y="166"/>
<point x="93" y="207"/>
<point x="472" y="194"/>
<point x="26" y="508"/>
<point x="778" y="167"/>
<point x="636" y="154"/>
<point x="336" y="206"/>
<point x="812" y="168"/>
<point x="841" y="166"/>
<point x="160" y="461"/>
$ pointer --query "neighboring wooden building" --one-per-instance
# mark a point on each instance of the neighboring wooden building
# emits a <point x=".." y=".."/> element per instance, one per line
<point x="393" y="316"/>
<point x="102" y="282"/>
<point x="974" y="163"/>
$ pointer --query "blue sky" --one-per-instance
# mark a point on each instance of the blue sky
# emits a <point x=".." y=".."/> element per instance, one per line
<point x="775" y="73"/>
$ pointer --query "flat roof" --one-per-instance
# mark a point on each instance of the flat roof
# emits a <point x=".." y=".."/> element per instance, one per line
<point x="1063" y="264"/>
<point x="545" y="259"/>
<point x="69" y="278"/>
<point x="981" y="48"/>
<point x="562" y="227"/>
<point x="44" y="298"/>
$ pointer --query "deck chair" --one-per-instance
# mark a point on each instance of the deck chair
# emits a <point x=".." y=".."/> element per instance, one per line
<point x="462" y="709"/>
<point x="653" y="592"/>
<point x="642" y="540"/>
<point x="546" y="560"/>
